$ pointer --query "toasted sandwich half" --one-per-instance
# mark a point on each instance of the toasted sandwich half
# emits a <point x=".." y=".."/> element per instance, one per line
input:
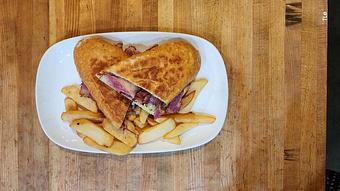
<point x="156" y="79"/>
<point x="91" y="55"/>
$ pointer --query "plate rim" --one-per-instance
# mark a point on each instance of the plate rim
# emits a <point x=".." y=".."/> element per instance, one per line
<point x="133" y="152"/>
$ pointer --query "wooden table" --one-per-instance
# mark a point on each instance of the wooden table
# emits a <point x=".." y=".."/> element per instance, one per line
<point x="274" y="135"/>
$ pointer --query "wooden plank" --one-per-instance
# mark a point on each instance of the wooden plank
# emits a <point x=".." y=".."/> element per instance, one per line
<point x="273" y="138"/>
<point x="86" y="17"/>
<point x="134" y="177"/>
<point x="59" y="178"/>
<point x="165" y="171"/>
<point x="37" y="42"/>
<point x="165" y="15"/>
<point x="56" y="20"/>
<point x="133" y="17"/>
<point x="236" y="49"/>
<point x="305" y="63"/>
<point x="276" y="98"/>
<point x="110" y="15"/>
<point x="9" y="179"/>
<point x="313" y="96"/>
<point x="149" y="15"/>
<point x="24" y="151"/>
<point x="293" y="96"/>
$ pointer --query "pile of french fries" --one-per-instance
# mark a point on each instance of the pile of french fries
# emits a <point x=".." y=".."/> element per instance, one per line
<point x="139" y="128"/>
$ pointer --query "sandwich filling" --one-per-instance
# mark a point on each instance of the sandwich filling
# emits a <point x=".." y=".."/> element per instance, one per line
<point x="84" y="91"/>
<point x="140" y="97"/>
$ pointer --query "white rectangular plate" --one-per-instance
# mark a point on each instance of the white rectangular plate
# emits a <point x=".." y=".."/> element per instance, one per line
<point x="57" y="69"/>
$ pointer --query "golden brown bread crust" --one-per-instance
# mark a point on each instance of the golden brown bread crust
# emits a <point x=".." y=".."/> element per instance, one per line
<point x="162" y="71"/>
<point x="91" y="55"/>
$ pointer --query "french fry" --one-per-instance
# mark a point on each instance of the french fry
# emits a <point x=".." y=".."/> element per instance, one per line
<point x="174" y="140"/>
<point x="81" y="135"/>
<point x="121" y="134"/>
<point x="83" y="114"/>
<point x="151" y="121"/>
<point x="196" y="86"/>
<point x="179" y="130"/>
<point x="192" y="117"/>
<point x="131" y="116"/>
<point x="73" y="115"/>
<point x="161" y="119"/>
<point x="143" y="115"/>
<point x="117" y="148"/>
<point x="81" y="108"/>
<point x="100" y="124"/>
<point x="93" y="131"/>
<point x="72" y="91"/>
<point x="139" y="130"/>
<point x="70" y="105"/>
<point x="157" y="131"/>
<point x="138" y="123"/>
<point x="131" y="127"/>
<point x="187" y="99"/>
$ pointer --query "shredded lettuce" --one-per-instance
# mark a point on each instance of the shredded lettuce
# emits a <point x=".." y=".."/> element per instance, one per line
<point x="150" y="108"/>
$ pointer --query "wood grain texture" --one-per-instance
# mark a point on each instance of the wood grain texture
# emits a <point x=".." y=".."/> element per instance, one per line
<point x="9" y="92"/>
<point x="24" y="151"/>
<point x="274" y="135"/>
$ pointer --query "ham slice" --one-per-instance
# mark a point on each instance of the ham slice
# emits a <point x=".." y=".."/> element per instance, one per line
<point x="120" y="85"/>
<point x="84" y="91"/>
<point x="175" y="105"/>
